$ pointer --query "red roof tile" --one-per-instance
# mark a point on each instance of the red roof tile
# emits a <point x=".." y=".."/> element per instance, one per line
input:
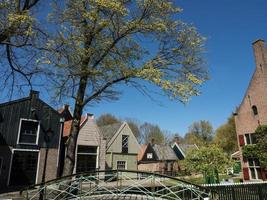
<point x="67" y="126"/>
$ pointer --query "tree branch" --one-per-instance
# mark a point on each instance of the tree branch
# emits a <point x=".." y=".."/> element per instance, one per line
<point x="103" y="88"/>
<point x="14" y="69"/>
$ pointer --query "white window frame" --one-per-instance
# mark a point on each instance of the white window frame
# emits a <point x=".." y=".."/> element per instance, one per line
<point x="121" y="161"/>
<point x="37" y="134"/>
<point x="255" y="167"/>
<point x="250" y="138"/>
<point x="11" y="162"/>
<point x="94" y="154"/>
<point x="149" y="155"/>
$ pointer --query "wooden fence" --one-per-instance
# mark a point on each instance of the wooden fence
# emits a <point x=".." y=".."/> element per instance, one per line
<point x="239" y="191"/>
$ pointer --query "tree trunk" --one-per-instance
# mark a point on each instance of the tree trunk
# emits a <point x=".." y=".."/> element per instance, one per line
<point x="78" y="109"/>
<point x="75" y="127"/>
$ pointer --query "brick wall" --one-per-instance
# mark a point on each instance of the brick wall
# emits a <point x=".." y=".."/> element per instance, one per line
<point x="51" y="166"/>
<point x="256" y="95"/>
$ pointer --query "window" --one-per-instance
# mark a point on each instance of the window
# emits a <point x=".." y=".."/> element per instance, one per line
<point x="121" y="164"/>
<point x="87" y="149"/>
<point x="86" y="158"/>
<point x="250" y="138"/>
<point x="28" y="131"/>
<point x="254" y="109"/>
<point x="125" y="140"/>
<point x="24" y="168"/>
<point x="149" y="155"/>
<point x="254" y="169"/>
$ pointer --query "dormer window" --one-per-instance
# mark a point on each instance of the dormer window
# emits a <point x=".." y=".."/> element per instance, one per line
<point x="254" y="109"/>
<point x="149" y="155"/>
<point x="28" y="131"/>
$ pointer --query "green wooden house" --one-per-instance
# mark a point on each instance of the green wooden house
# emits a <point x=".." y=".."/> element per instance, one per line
<point x="122" y="146"/>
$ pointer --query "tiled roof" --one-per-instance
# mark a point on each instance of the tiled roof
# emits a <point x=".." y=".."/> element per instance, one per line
<point x="67" y="126"/>
<point x="164" y="152"/>
<point x="109" y="131"/>
<point x="186" y="147"/>
<point x="141" y="152"/>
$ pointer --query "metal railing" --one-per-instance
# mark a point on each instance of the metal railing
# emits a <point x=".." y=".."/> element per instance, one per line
<point x="116" y="184"/>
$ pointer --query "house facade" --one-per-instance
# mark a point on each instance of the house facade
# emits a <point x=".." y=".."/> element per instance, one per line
<point x="158" y="158"/>
<point x="122" y="146"/>
<point x="30" y="134"/>
<point x="252" y="112"/>
<point x="91" y="146"/>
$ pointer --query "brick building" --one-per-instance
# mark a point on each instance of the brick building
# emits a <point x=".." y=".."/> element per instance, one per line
<point x="253" y="112"/>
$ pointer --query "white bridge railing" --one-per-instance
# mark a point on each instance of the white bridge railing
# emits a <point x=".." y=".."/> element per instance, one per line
<point x="116" y="184"/>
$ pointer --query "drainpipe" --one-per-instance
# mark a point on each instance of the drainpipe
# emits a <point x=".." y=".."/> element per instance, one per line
<point x="60" y="147"/>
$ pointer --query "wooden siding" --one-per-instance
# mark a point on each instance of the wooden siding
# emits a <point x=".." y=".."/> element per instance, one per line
<point x="90" y="135"/>
<point x="28" y="108"/>
<point x="115" y="144"/>
<point x="149" y="149"/>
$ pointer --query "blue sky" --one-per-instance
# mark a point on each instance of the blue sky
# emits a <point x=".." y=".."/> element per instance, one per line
<point x="230" y="27"/>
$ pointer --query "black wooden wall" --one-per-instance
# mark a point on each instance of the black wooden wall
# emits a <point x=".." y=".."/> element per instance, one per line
<point x="29" y="108"/>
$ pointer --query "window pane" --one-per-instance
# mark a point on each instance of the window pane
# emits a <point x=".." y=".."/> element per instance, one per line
<point x="121" y="164"/>
<point x="24" y="167"/>
<point x="28" y="131"/>
<point x="253" y="138"/>
<point x="252" y="173"/>
<point x="247" y="139"/>
<point x="256" y="162"/>
<point x="125" y="139"/>
<point x="85" y="163"/>
<point x="149" y="156"/>
<point x="255" y="110"/>
<point x="259" y="173"/>
<point x="87" y="149"/>
<point x="250" y="162"/>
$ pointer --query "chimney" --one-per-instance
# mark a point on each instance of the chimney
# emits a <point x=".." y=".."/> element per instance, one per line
<point x="90" y="116"/>
<point x="34" y="94"/>
<point x="66" y="107"/>
<point x="260" y="53"/>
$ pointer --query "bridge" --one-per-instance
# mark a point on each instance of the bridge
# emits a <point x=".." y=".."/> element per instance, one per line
<point x="116" y="184"/>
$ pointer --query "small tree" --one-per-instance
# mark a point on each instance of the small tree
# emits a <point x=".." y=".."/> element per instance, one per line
<point x="225" y="136"/>
<point x="208" y="160"/>
<point x="261" y="137"/>
<point x="106" y="119"/>
<point x="151" y="132"/>
<point x="199" y="133"/>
